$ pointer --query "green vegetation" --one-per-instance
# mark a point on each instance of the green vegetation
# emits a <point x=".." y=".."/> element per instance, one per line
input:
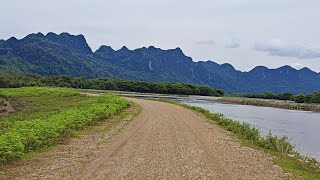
<point x="10" y="81"/>
<point x="309" y="98"/>
<point x="280" y="147"/>
<point x="271" y="103"/>
<point x="309" y="102"/>
<point x="269" y="95"/>
<point x="34" y="103"/>
<point x="47" y="115"/>
<point x="301" y="98"/>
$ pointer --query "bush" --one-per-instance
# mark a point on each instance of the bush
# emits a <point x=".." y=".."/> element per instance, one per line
<point x="299" y="98"/>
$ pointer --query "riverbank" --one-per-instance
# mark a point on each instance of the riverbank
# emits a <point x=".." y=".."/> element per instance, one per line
<point x="270" y="103"/>
<point x="302" y="167"/>
<point x="281" y="104"/>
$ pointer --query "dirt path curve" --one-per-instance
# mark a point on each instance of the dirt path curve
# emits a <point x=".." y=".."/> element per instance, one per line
<point x="170" y="142"/>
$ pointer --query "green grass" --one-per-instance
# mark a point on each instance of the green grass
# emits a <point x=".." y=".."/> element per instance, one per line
<point x="47" y="115"/>
<point x="279" y="147"/>
<point x="33" y="103"/>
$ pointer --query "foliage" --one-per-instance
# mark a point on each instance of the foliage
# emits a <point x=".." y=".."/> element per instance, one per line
<point x="300" y="98"/>
<point x="45" y="128"/>
<point x="7" y="81"/>
<point x="271" y="103"/>
<point x="35" y="102"/>
<point x="37" y="92"/>
<point x="309" y="98"/>
<point x="269" y="95"/>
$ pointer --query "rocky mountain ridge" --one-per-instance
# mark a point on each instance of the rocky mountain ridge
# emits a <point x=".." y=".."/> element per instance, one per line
<point x="66" y="54"/>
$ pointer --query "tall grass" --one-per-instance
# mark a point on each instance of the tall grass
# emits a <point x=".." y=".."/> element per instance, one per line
<point x="37" y="92"/>
<point x="33" y="103"/>
<point x="25" y="136"/>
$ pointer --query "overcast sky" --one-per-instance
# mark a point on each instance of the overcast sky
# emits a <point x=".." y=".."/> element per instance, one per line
<point x="245" y="33"/>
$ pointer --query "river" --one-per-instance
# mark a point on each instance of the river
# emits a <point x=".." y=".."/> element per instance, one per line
<point x="302" y="127"/>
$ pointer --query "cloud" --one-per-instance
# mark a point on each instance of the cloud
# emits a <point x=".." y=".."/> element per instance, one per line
<point x="297" y="65"/>
<point x="234" y="43"/>
<point x="275" y="47"/>
<point x="205" y="42"/>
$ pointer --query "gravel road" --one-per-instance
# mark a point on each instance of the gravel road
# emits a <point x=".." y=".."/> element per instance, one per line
<point x="167" y="141"/>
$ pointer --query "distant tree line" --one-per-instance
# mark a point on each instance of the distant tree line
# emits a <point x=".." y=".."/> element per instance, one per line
<point x="309" y="98"/>
<point x="13" y="81"/>
<point x="269" y="95"/>
<point x="301" y="98"/>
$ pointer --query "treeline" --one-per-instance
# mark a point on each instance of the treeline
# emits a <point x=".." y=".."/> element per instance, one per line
<point x="301" y="98"/>
<point x="309" y="98"/>
<point x="13" y="81"/>
<point x="268" y="95"/>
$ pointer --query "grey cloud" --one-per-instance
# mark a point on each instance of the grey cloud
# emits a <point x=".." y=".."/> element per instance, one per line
<point x="169" y="23"/>
<point x="275" y="47"/>
<point x="205" y="42"/>
<point x="234" y="43"/>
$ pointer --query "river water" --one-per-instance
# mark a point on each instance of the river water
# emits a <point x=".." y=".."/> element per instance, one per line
<point x="302" y="127"/>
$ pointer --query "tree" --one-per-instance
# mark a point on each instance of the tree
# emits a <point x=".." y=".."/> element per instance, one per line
<point x="299" y="98"/>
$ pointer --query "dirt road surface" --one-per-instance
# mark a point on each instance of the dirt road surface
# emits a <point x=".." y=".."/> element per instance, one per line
<point x="164" y="141"/>
<point x="170" y="142"/>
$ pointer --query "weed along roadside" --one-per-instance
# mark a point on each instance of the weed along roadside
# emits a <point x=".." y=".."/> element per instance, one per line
<point x="47" y="115"/>
<point x="279" y="147"/>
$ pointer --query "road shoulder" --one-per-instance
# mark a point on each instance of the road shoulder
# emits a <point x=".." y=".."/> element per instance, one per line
<point x="58" y="161"/>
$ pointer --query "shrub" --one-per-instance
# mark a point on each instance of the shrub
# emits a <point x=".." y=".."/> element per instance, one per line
<point x="299" y="98"/>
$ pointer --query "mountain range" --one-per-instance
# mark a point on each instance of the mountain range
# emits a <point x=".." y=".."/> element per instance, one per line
<point x="66" y="54"/>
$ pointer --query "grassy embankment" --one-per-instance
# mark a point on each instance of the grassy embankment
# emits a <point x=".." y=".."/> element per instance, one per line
<point x="279" y="147"/>
<point x="271" y="103"/>
<point x="46" y="116"/>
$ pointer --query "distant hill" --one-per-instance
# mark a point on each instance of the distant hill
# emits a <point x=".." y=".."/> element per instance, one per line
<point x="66" y="54"/>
